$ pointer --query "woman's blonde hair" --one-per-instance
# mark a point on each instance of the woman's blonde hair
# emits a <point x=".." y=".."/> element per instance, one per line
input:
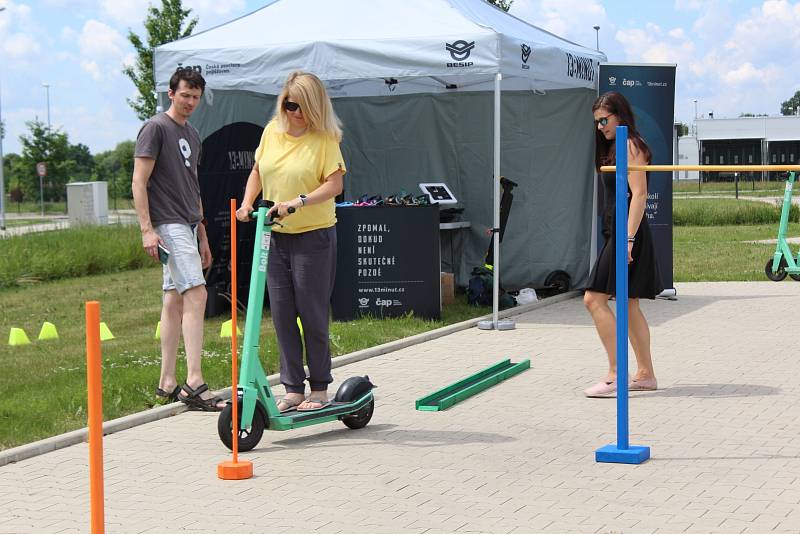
<point x="307" y="90"/>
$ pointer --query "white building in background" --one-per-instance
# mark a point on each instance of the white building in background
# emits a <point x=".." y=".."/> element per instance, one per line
<point x="742" y="141"/>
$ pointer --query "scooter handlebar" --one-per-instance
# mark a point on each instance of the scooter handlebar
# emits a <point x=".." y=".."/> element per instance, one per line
<point x="272" y="217"/>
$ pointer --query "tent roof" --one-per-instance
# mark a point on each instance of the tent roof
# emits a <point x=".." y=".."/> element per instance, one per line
<point x="450" y="42"/>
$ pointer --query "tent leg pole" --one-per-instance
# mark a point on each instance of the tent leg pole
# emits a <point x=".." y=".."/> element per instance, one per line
<point x="496" y="200"/>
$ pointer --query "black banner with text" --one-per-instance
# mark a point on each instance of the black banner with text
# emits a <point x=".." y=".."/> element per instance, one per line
<point x="387" y="262"/>
<point x="650" y="89"/>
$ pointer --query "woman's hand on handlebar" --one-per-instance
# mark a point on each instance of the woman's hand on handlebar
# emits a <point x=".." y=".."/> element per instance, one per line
<point x="243" y="213"/>
<point x="282" y="209"/>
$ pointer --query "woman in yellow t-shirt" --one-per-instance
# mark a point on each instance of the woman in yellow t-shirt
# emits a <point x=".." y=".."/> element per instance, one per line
<point x="299" y="165"/>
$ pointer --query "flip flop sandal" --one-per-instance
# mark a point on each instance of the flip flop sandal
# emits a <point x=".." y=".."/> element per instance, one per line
<point x="322" y="404"/>
<point x="290" y="405"/>
<point x="171" y="397"/>
<point x="195" y="402"/>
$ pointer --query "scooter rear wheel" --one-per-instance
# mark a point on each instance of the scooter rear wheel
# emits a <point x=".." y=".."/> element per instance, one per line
<point x="361" y="417"/>
<point x="248" y="437"/>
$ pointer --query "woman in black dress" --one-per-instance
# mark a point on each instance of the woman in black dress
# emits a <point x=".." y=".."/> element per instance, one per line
<point x="611" y="110"/>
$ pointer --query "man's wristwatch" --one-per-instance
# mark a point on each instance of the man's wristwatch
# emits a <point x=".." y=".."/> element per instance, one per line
<point x="303" y="199"/>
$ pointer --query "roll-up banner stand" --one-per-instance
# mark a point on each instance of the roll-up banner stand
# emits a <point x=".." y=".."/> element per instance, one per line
<point x="650" y="89"/>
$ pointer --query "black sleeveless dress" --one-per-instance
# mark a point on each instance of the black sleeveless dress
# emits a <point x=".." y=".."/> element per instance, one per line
<point x="644" y="279"/>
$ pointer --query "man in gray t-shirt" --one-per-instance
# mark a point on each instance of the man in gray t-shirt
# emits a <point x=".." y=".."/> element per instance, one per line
<point x="166" y="194"/>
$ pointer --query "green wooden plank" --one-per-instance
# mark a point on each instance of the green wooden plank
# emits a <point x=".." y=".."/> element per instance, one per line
<point x="461" y="384"/>
<point x="463" y="389"/>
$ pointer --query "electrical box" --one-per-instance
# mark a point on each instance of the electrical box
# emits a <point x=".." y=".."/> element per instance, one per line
<point x="87" y="203"/>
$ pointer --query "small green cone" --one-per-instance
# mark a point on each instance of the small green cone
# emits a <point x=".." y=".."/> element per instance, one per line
<point x="17" y="337"/>
<point x="105" y="333"/>
<point x="225" y="329"/>
<point x="48" y="332"/>
<point x="158" y="331"/>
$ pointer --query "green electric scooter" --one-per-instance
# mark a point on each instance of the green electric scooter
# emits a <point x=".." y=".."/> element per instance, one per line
<point x="353" y="404"/>
<point x="783" y="262"/>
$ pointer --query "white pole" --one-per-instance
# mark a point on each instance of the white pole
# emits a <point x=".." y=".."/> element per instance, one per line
<point x="2" y="177"/>
<point x="496" y="224"/>
<point x="47" y="89"/>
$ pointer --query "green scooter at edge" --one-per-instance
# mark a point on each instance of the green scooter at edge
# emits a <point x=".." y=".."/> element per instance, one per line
<point x="783" y="262"/>
<point x="353" y="404"/>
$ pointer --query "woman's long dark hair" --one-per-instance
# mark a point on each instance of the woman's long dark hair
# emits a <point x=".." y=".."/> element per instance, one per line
<point x="605" y="149"/>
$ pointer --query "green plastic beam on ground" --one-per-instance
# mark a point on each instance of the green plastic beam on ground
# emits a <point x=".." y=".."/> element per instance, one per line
<point x="473" y="384"/>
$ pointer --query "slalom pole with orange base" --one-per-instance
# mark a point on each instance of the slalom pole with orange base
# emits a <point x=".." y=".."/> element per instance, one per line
<point x="235" y="469"/>
<point x="94" y="388"/>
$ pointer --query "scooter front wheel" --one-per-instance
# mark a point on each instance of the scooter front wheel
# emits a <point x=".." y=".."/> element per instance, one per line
<point x="795" y="277"/>
<point x="248" y="437"/>
<point x="778" y="275"/>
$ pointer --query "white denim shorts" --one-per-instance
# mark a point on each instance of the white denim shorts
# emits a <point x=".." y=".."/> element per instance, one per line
<point x="184" y="269"/>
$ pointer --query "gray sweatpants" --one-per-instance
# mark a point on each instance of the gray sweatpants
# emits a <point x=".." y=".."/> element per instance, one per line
<point x="300" y="276"/>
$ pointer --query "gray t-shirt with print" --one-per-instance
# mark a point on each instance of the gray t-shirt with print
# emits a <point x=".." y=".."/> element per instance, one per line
<point x="173" y="191"/>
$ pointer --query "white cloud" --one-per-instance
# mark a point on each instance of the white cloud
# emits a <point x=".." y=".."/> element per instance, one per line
<point x="652" y="45"/>
<point x="127" y="12"/>
<point x="132" y="13"/>
<point x="20" y="46"/>
<point x="18" y="34"/>
<point x="102" y="49"/>
<point x="213" y="12"/>
<point x="93" y="69"/>
<point x="689" y="5"/>
<point x="100" y="127"/>
<point x="68" y="34"/>
<point x="570" y="19"/>
<point x="99" y="40"/>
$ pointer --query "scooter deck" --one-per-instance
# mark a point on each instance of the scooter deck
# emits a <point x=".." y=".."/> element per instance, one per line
<point x="293" y="419"/>
<point x="473" y="384"/>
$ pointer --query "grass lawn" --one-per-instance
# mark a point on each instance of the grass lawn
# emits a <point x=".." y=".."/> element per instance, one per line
<point x="746" y="188"/>
<point x="44" y="383"/>
<point x="722" y="253"/>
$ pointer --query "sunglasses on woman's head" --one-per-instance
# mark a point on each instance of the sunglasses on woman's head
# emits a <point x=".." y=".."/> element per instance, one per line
<point x="602" y="121"/>
<point x="290" y="106"/>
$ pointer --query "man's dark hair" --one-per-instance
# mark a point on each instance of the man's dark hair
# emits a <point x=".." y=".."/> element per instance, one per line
<point x="192" y="78"/>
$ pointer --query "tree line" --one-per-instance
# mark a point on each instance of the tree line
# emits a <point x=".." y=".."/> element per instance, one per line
<point x="66" y="162"/>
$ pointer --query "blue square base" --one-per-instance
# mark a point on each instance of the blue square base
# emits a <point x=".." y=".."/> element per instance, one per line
<point x="632" y="455"/>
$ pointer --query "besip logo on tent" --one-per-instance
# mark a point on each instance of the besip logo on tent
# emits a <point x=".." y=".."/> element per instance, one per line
<point x="526" y="53"/>
<point x="460" y="51"/>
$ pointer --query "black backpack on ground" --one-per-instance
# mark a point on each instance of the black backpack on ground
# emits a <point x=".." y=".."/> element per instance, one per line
<point x="479" y="290"/>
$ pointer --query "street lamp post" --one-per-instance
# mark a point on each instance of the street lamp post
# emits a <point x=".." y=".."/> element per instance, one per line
<point x="47" y="88"/>
<point x="2" y="177"/>
<point x="597" y="36"/>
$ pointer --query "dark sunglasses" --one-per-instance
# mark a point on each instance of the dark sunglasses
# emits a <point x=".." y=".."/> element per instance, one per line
<point x="290" y="106"/>
<point x="602" y="121"/>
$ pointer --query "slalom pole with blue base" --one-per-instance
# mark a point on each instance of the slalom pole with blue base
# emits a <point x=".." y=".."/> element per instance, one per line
<point x="622" y="452"/>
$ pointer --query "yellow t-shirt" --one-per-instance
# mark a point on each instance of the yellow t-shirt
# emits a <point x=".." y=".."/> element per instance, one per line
<point x="291" y="166"/>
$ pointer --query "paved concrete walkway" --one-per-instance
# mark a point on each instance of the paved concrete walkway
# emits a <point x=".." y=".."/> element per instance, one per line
<point x="57" y="222"/>
<point x="518" y="458"/>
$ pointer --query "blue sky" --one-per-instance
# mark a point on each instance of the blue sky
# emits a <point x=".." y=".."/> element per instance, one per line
<point x="733" y="56"/>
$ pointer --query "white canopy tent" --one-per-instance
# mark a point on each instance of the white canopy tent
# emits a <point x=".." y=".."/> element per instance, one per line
<point x="385" y="48"/>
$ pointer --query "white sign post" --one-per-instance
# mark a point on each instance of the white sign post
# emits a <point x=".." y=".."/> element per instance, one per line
<point x="41" y="170"/>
